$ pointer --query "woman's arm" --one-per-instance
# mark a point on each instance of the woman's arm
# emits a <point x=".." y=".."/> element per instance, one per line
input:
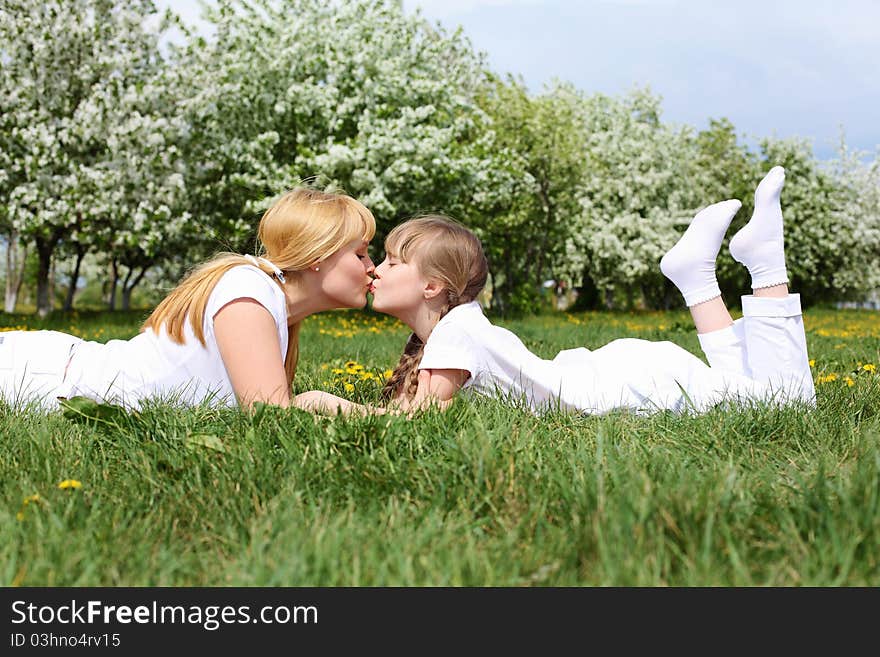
<point x="435" y="389"/>
<point x="248" y="342"/>
<point x="318" y="401"/>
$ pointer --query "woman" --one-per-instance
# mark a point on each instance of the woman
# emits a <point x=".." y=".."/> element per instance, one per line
<point x="229" y="332"/>
<point x="435" y="268"/>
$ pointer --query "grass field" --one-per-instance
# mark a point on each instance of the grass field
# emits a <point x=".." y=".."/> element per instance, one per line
<point x="480" y="495"/>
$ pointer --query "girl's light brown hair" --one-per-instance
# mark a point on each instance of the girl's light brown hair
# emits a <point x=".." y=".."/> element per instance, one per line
<point x="444" y="251"/>
<point x="302" y="227"/>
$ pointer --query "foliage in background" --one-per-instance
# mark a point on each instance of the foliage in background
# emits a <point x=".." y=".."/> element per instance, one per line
<point x="136" y="159"/>
<point x="87" y="155"/>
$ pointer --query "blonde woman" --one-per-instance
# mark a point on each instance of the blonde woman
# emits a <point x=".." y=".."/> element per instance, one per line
<point x="434" y="269"/>
<point x="229" y="333"/>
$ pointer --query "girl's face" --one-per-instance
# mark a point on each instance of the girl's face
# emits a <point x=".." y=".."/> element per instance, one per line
<point x="398" y="287"/>
<point x="346" y="276"/>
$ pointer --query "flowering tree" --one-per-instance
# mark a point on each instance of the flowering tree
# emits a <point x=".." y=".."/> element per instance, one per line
<point x="859" y="215"/>
<point x="81" y="133"/>
<point x="832" y="233"/>
<point x="528" y="205"/>
<point x="154" y="161"/>
<point x="636" y="196"/>
<point x="356" y="95"/>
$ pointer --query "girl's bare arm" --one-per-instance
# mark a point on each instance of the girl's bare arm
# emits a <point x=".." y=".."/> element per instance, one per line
<point x="440" y="385"/>
<point x="435" y="388"/>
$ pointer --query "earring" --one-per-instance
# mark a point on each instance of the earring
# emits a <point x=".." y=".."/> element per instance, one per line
<point x="317" y="269"/>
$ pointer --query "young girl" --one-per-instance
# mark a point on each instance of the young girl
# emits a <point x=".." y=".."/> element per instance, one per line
<point x="229" y="331"/>
<point x="435" y="268"/>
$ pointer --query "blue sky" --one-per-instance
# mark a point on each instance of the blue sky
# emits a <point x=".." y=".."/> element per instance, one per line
<point x="777" y="67"/>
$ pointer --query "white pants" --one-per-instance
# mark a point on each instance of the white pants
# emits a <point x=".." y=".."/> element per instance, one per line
<point x="768" y="346"/>
<point x="33" y="366"/>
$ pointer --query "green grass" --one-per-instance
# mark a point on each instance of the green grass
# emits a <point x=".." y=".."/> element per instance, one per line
<point x="480" y="495"/>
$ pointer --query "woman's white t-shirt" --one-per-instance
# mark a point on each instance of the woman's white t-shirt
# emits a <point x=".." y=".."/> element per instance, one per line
<point x="639" y="375"/>
<point x="152" y="365"/>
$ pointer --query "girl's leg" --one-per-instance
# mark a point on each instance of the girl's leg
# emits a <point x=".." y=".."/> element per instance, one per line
<point x="725" y="345"/>
<point x="725" y="348"/>
<point x="776" y="345"/>
<point x="690" y="264"/>
<point x="710" y="316"/>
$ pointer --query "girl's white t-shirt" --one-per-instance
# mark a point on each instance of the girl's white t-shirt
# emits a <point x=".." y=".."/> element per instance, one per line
<point x="152" y="365"/>
<point x="639" y="375"/>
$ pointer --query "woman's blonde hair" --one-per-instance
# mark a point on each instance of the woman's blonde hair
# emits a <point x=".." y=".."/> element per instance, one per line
<point x="444" y="251"/>
<point x="302" y="227"/>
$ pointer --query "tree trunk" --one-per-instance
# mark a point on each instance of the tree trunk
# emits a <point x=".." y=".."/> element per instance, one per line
<point x="609" y="298"/>
<point x="44" y="253"/>
<point x="71" y="291"/>
<point x="14" y="271"/>
<point x="547" y="206"/>
<point x="52" y="271"/>
<point x="128" y="288"/>
<point x="126" y="298"/>
<point x="114" y="279"/>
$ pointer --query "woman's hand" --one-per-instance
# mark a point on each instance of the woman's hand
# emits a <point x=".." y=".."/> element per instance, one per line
<point x="325" y="403"/>
<point x="436" y="389"/>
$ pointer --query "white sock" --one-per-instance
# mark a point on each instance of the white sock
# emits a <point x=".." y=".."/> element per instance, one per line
<point x="759" y="244"/>
<point x="690" y="264"/>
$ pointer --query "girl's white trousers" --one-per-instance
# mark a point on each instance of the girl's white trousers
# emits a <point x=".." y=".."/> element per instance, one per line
<point x="767" y="345"/>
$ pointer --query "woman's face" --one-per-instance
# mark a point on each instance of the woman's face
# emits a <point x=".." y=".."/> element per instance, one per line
<point x="398" y="287"/>
<point x="346" y="275"/>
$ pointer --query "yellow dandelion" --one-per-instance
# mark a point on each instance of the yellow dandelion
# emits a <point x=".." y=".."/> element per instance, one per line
<point x="70" y="483"/>
<point x="350" y="370"/>
<point x="849" y="382"/>
<point x="336" y="370"/>
<point x="348" y="387"/>
<point x="812" y="362"/>
<point x="350" y="363"/>
<point x="869" y="367"/>
<point x="35" y="498"/>
<point x="388" y="374"/>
